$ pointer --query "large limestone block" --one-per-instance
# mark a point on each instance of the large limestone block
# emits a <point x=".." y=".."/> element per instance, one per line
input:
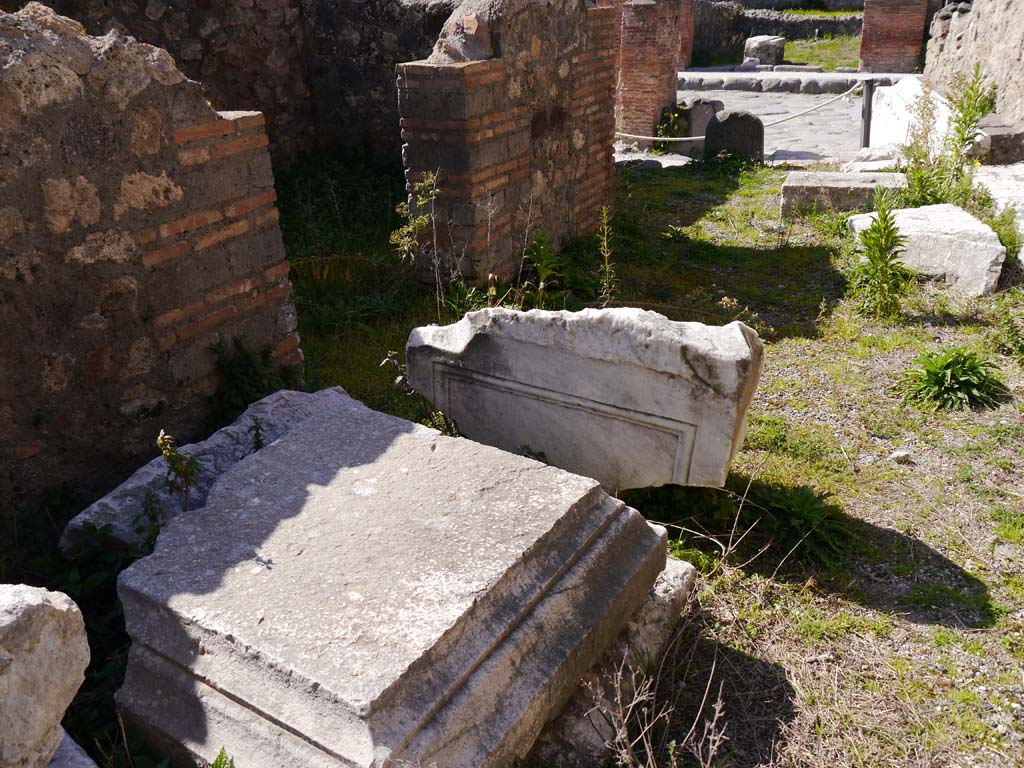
<point x="43" y="656"/>
<point x="947" y="243"/>
<point x="262" y="423"/>
<point x="736" y="132"/>
<point x="367" y="589"/>
<point x="808" y="191"/>
<point x="767" y="49"/>
<point x="621" y="395"/>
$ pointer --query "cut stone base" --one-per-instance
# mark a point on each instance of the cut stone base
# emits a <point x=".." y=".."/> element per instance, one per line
<point x="581" y="736"/>
<point x="366" y="591"/>
<point x="809" y="191"/>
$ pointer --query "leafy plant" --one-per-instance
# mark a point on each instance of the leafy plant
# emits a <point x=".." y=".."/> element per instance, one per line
<point x="545" y="267"/>
<point x="672" y="232"/>
<point x="880" y="280"/>
<point x="606" y="272"/>
<point x="1008" y="338"/>
<point x="245" y="378"/>
<point x="952" y="379"/>
<point x="800" y="520"/>
<point x="222" y="761"/>
<point x="182" y="469"/>
<point x="674" y="123"/>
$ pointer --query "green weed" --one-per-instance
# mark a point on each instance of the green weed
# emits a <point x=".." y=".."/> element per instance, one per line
<point x="952" y="379"/>
<point x="880" y="281"/>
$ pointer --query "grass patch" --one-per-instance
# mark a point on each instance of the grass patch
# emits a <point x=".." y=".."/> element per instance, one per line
<point x="826" y="52"/>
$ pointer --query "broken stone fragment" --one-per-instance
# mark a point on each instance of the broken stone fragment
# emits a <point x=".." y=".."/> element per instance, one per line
<point x="766" y="49"/>
<point x="946" y="243"/>
<point x="43" y="656"/>
<point x="262" y="423"/>
<point x="625" y="396"/>
<point x="366" y="591"/>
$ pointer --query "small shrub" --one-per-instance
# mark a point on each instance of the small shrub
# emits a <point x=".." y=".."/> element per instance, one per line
<point x="545" y="269"/>
<point x="606" y="272"/>
<point x="881" y="280"/>
<point x="799" y="520"/>
<point x="182" y="469"/>
<point x="952" y="379"/>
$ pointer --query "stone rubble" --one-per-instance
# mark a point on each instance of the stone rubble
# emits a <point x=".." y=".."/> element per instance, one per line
<point x="625" y="396"/>
<point x="275" y="416"/>
<point x="389" y="593"/>
<point x="947" y="243"/>
<point x="43" y="656"/>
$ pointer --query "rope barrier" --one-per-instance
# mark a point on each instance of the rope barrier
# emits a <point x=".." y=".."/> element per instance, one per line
<point x="677" y="139"/>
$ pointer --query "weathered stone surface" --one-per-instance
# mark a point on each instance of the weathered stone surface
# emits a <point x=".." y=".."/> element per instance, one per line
<point x="275" y="415"/>
<point x="700" y="113"/>
<point x="580" y="737"/>
<point x="806" y="191"/>
<point x="367" y="589"/>
<point x="767" y="49"/>
<point x="70" y="755"/>
<point x="946" y="242"/>
<point x="43" y="656"/>
<point x="739" y="133"/>
<point x="621" y="395"/>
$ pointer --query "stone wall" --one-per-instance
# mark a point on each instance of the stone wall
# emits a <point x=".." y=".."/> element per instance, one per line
<point x="893" y="35"/>
<point x="724" y="26"/>
<point x="810" y="5"/>
<point x="521" y="137"/>
<point x="648" y="71"/>
<point x="990" y="34"/>
<point x="137" y="228"/>
<point x="323" y="71"/>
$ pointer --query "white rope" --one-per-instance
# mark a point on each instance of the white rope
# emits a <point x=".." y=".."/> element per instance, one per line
<point x="677" y="139"/>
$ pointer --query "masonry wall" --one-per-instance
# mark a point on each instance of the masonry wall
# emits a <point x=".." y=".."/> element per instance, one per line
<point x="522" y="139"/>
<point x="990" y="34"/>
<point x="893" y="33"/>
<point x="322" y="71"/>
<point x="648" y="71"/>
<point x="137" y="228"/>
<point x="685" y="32"/>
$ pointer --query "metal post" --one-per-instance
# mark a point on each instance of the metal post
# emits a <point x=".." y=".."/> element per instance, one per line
<point x="865" y="113"/>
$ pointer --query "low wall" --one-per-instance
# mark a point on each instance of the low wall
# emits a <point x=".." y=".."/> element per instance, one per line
<point x="137" y="228"/>
<point x="522" y="139"/>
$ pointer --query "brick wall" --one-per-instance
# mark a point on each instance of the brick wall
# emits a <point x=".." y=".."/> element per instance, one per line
<point x="522" y="142"/>
<point x="685" y="32"/>
<point x="137" y="228"/>
<point x="648" y="71"/>
<point x="892" y="36"/>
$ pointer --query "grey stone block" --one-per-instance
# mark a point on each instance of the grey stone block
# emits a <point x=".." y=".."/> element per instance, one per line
<point x="739" y="133"/>
<point x="806" y="191"/>
<point x="367" y="591"/>
<point x="561" y="384"/>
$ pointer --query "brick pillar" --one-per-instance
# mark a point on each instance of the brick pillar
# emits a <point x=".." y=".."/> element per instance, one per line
<point x="893" y="35"/>
<point x="648" y="74"/>
<point x="685" y="32"/>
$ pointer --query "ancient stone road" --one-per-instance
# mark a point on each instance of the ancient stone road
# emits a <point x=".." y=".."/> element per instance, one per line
<point x="829" y="134"/>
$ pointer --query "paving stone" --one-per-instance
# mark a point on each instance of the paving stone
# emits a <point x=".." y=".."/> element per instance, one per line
<point x="625" y="396"/>
<point x="366" y="590"/>
<point x="947" y="243"/>
<point x="274" y="415"/>
<point x="43" y="656"/>
<point x="807" y="191"/>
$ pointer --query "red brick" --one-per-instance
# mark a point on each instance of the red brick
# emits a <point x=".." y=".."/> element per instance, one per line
<point x="219" y="151"/>
<point x="230" y="290"/>
<point x="219" y="236"/>
<point x="190" y="222"/>
<point x="204" y="131"/>
<point x="160" y="255"/>
<point x="249" y="204"/>
<point x="286" y="345"/>
<point x="277" y="272"/>
<point x="193" y="156"/>
<point x="263" y="218"/>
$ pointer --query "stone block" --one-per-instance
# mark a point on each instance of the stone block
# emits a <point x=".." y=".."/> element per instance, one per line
<point x="767" y="49"/>
<point x="366" y="591"/>
<point x="43" y="656"/>
<point x="581" y="737"/>
<point x="947" y="243"/>
<point x="808" y="191"/>
<point x="738" y="133"/>
<point x="1006" y="140"/>
<point x="625" y="396"/>
<point x="700" y="113"/>
<point x="275" y="416"/>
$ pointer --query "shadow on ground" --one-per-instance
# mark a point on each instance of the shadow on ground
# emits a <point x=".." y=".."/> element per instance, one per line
<point x="796" y="535"/>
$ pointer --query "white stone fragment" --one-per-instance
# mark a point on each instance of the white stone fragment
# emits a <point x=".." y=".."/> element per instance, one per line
<point x="43" y="656"/>
<point x="366" y="591"/>
<point x="625" y="396"/>
<point x="767" y="49"/>
<point x="947" y="243"/>
<point x="263" y="422"/>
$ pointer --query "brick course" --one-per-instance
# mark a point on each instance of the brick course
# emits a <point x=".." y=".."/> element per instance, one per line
<point x="648" y="71"/>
